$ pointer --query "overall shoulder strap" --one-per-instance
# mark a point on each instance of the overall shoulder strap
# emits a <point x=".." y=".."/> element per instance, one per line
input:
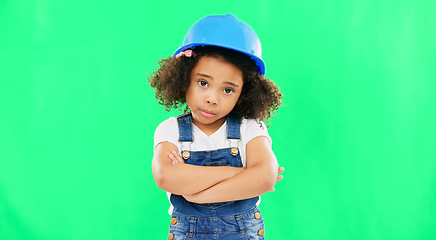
<point x="233" y="133"/>
<point x="185" y="127"/>
<point x="233" y="127"/>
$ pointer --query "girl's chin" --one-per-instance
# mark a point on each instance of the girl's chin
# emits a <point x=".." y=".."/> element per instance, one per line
<point x="205" y="121"/>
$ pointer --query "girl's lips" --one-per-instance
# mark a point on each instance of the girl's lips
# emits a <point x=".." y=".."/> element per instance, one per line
<point x="207" y="114"/>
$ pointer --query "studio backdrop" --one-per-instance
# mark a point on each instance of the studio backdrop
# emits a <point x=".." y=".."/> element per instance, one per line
<point x="356" y="133"/>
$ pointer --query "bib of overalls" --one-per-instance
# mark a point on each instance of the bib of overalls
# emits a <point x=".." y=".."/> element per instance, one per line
<point x="219" y="157"/>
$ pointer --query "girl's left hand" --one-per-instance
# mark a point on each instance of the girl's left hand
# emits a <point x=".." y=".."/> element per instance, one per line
<point x="279" y="177"/>
<point x="176" y="158"/>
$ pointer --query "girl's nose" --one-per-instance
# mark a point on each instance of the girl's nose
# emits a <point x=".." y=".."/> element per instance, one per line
<point x="212" y="99"/>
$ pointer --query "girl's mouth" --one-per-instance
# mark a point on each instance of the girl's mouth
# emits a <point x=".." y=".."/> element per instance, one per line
<point x="207" y="114"/>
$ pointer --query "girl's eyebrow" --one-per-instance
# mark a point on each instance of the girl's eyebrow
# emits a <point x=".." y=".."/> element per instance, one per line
<point x="203" y="75"/>
<point x="232" y="84"/>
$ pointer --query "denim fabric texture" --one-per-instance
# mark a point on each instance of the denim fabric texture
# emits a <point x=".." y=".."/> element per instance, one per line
<point x="224" y="220"/>
<point x="245" y="226"/>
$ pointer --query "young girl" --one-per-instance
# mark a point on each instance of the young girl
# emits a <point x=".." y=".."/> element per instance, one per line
<point x="216" y="159"/>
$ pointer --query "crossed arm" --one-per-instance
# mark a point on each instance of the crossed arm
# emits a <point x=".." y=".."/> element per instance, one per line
<point x="217" y="184"/>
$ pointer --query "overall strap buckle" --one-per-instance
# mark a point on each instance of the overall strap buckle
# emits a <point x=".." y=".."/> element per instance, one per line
<point x="233" y="133"/>
<point x="185" y="133"/>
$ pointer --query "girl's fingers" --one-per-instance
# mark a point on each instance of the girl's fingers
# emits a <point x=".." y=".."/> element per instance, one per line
<point x="173" y="159"/>
<point x="280" y="177"/>
<point x="176" y="158"/>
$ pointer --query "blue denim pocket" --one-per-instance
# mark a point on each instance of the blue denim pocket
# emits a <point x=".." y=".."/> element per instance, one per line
<point x="178" y="229"/>
<point x="176" y="234"/>
<point x="253" y="223"/>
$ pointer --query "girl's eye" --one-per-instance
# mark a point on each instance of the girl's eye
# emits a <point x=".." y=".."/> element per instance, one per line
<point x="228" y="91"/>
<point x="202" y="83"/>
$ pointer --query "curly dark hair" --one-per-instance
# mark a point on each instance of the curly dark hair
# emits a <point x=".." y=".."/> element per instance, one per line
<point x="259" y="99"/>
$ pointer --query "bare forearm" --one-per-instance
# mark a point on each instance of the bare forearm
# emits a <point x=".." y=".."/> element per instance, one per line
<point x="258" y="178"/>
<point x="184" y="178"/>
<point x="245" y="185"/>
<point x="190" y="179"/>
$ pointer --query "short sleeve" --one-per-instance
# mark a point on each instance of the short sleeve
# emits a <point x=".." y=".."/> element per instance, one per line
<point x="167" y="131"/>
<point x="254" y="129"/>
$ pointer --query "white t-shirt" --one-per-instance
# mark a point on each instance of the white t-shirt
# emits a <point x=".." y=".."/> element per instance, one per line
<point x="168" y="131"/>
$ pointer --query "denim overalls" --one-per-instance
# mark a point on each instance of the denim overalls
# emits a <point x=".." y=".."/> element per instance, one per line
<point x="225" y="220"/>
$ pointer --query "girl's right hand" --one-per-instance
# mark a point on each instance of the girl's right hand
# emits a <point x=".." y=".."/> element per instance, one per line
<point x="176" y="158"/>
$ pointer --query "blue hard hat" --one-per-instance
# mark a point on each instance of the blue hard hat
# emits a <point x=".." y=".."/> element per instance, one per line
<point x="225" y="31"/>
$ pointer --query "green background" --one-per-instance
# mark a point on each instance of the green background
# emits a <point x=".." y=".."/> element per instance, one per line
<point x="356" y="134"/>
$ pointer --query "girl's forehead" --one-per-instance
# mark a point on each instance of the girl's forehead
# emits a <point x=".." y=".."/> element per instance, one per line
<point x="217" y="68"/>
<point x="213" y="59"/>
<point x="215" y="62"/>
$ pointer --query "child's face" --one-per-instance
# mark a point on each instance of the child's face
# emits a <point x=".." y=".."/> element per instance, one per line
<point x="213" y="92"/>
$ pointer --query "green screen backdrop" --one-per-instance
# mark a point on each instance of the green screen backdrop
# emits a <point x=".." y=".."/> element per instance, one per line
<point x="356" y="134"/>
